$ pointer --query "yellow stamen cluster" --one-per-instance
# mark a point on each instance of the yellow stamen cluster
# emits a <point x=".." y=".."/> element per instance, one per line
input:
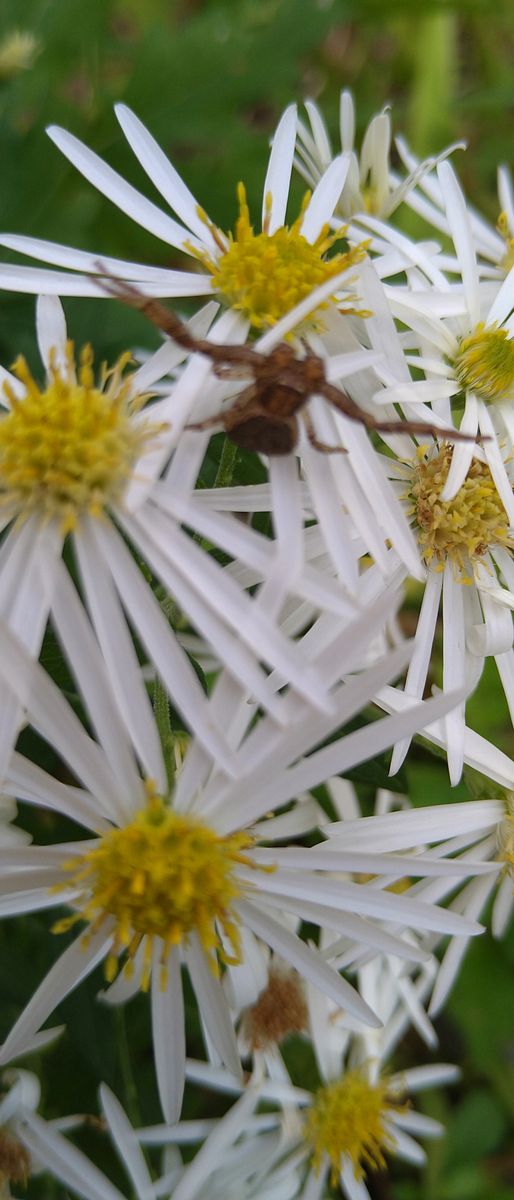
<point x="347" y="1118"/>
<point x="164" y="875"/>
<point x="461" y="529"/>
<point x="68" y="449"/>
<point x="280" y="1009"/>
<point x="505" y="232"/>
<point x="263" y="275"/>
<point x="485" y="363"/>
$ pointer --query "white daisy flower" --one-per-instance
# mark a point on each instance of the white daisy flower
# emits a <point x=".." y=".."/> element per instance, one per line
<point x="371" y="191"/>
<point x="462" y="342"/>
<point x="72" y="451"/>
<point x="353" y="1121"/>
<point x="260" y="276"/>
<point x="370" y="186"/>
<point x="147" y="910"/>
<point x="466" y="543"/>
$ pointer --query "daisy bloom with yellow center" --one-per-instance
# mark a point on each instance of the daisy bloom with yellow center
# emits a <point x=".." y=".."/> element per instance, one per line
<point x="466" y="543"/>
<point x="82" y="452"/>
<point x="258" y="275"/>
<point x="185" y="871"/>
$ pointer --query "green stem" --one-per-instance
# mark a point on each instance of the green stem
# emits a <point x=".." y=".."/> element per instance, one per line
<point x="226" y="464"/>
<point x="162" y="719"/>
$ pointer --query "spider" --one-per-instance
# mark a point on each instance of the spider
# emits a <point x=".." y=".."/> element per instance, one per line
<point x="264" y="417"/>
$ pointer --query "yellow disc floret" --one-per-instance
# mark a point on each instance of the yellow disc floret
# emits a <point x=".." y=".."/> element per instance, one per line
<point x="461" y="529"/>
<point x="164" y="875"/>
<point x="347" y="1119"/>
<point x="485" y="363"/>
<point x="264" y="275"/>
<point x="68" y="448"/>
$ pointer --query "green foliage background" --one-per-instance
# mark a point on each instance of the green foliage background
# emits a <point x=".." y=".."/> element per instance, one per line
<point x="210" y="79"/>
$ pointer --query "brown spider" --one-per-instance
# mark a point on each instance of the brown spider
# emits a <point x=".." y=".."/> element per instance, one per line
<point x="264" y="417"/>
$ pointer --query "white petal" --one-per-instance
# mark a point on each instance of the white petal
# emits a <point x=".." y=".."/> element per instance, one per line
<point x="278" y="175"/>
<point x="63" y="1160"/>
<point x="51" y="331"/>
<point x="162" y="174"/>
<point x="168" y="1030"/>
<point x="307" y="962"/>
<point x="324" y="198"/>
<point x="213" y="1005"/>
<point x="76" y="962"/>
<point x="126" y="1144"/>
<point x="121" y="193"/>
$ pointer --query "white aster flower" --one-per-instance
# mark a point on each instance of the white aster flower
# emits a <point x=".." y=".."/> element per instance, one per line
<point x="466" y="543"/>
<point x="72" y="451"/>
<point x="357" y="1117"/>
<point x="372" y="190"/>
<point x="260" y="276"/>
<point x="169" y="878"/>
<point x="463" y="343"/>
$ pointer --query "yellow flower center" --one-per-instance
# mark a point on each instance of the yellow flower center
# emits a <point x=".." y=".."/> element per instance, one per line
<point x="164" y="875"/>
<point x="263" y="275"/>
<point x="485" y="363"/>
<point x="347" y="1118"/>
<point x="461" y="529"/>
<point x="504" y="230"/>
<point x="69" y="448"/>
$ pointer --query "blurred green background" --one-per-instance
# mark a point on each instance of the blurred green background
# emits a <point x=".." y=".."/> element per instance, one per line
<point x="210" y="80"/>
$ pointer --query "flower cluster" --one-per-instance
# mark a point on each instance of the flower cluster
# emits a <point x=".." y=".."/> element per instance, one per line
<point x="207" y="658"/>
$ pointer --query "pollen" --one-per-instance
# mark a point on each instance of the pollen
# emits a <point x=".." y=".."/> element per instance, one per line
<point x="280" y="1009"/>
<point x="68" y="449"/>
<point x="263" y="276"/>
<point x="462" y="529"/>
<point x="164" y="875"/>
<point x="485" y="363"/>
<point x="347" y="1119"/>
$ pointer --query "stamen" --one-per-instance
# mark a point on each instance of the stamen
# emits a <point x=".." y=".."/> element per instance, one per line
<point x="485" y="363"/>
<point x="69" y="448"/>
<point x="164" y="875"/>
<point x="462" y="529"/>
<point x="347" y="1118"/>
<point x="263" y="275"/>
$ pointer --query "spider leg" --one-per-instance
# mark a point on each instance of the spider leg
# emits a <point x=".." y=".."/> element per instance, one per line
<point x="209" y="423"/>
<point x="314" y="441"/>
<point x="172" y="326"/>
<point x="343" y="402"/>
<point x="228" y="417"/>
